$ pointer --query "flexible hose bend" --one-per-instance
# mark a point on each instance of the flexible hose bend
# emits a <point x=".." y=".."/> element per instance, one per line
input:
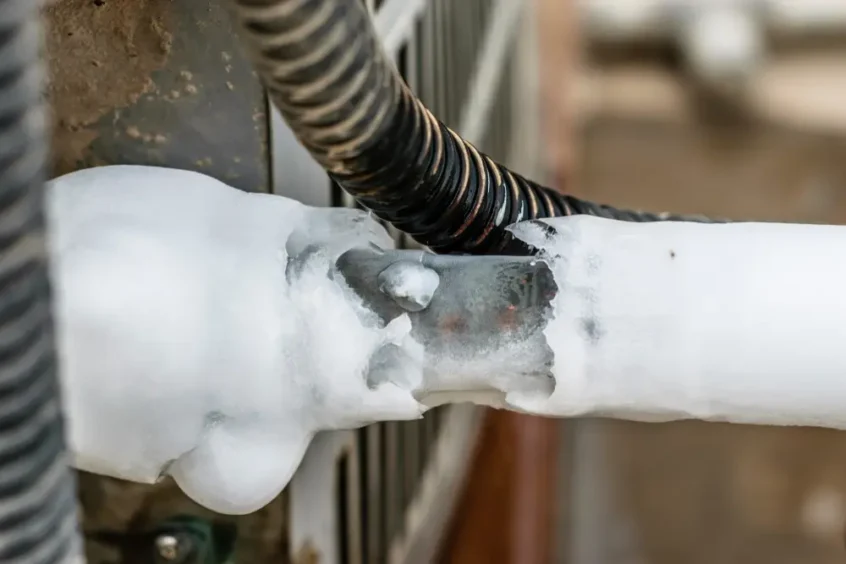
<point x="37" y="490"/>
<point x="329" y="77"/>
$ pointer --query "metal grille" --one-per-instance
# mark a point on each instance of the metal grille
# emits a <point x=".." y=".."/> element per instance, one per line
<point x="384" y="493"/>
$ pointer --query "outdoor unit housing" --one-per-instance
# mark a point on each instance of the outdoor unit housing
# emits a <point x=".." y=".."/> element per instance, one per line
<point x="385" y="493"/>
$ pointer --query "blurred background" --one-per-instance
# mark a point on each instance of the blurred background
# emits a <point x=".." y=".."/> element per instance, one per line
<point x="726" y="107"/>
<point x="732" y="108"/>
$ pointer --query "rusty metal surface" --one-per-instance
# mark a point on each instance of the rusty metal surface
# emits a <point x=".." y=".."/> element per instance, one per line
<point x="159" y="82"/>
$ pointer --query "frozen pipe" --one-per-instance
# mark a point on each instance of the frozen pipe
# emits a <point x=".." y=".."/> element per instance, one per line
<point x="624" y="20"/>
<point x="201" y="335"/>
<point x="789" y="17"/>
<point x="657" y="20"/>
<point x="738" y="322"/>
<point x="723" y="44"/>
<point x="208" y="334"/>
<point x="722" y="40"/>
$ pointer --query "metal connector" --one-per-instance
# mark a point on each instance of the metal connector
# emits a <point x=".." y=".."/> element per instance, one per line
<point x="453" y="296"/>
<point x="465" y="311"/>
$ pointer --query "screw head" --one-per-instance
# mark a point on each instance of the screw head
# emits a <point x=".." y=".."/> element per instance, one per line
<point x="167" y="547"/>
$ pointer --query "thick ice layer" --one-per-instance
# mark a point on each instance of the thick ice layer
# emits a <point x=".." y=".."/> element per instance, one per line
<point x="410" y="284"/>
<point x="739" y="322"/>
<point x="204" y="333"/>
<point x="200" y="335"/>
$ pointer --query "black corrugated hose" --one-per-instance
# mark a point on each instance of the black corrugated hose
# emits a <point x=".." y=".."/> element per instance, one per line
<point x="328" y="75"/>
<point x="37" y="490"/>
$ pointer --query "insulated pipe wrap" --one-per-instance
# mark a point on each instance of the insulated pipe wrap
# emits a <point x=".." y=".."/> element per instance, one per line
<point x="37" y="491"/>
<point x="327" y="74"/>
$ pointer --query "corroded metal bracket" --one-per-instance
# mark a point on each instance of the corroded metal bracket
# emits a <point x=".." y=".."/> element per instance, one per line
<point x="156" y="83"/>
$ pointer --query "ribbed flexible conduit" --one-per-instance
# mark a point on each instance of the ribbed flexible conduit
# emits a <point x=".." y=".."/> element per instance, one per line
<point x="37" y="491"/>
<point x="326" y="73"/>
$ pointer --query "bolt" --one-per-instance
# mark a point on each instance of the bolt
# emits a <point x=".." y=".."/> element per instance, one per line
<point x="167" y="547"/>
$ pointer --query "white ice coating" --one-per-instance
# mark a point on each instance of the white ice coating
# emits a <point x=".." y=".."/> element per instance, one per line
<point x="410" y="284"/>
<point x="184" y="348"/>
<point x="200" y="336"/>
<point x="740" y="322"/>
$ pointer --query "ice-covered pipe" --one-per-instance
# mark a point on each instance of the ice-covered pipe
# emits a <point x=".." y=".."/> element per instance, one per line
<point x="657" y="20"/>
<point x="806" y="17"/>
<point x="723" y="44"/>
<point x="723" y="41"/>
<point x="740" y="322"/>
<point x="201" y="335"/>
<point x="208" y="334"/>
